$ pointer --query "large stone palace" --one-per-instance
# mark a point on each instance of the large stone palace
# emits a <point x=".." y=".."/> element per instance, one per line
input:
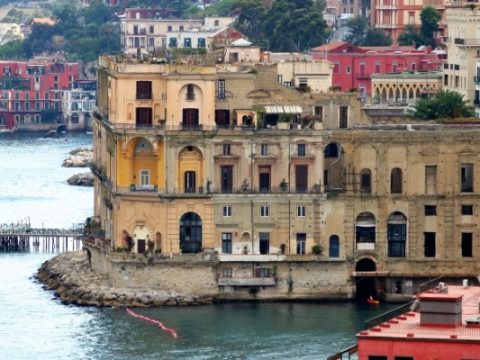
<point x="289" y="193"/>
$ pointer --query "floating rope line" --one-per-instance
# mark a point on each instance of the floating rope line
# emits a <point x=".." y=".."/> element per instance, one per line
<point x="153" y="321"/>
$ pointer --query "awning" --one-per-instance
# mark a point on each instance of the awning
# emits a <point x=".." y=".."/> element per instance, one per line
<point x="283" y="109"/>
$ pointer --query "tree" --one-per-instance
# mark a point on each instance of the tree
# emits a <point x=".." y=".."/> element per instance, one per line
<point x="410" y="36"/>
<point x="446" y="104"/>
<point x="377" y="37"/>
<point x="357" y="30"/>
<point x="361" y="34"/>
<point x="429" y="18"/>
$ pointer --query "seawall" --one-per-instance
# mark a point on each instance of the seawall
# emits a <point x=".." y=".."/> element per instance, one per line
<point x="103" y="278"/>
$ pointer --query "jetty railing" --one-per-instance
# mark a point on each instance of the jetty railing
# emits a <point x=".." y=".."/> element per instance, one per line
<point x="21" y="237"/>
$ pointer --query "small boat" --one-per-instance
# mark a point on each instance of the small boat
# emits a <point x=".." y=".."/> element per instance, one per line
<point x="372" y="301"/>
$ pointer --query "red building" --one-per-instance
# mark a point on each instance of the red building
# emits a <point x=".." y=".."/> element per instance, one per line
<point x="31" y="92"/>
<point x="354" y="65"/>
<point x="444" y="324"/>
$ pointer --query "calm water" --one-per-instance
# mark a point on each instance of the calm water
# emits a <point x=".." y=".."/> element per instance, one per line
<point x="33" y="325"/>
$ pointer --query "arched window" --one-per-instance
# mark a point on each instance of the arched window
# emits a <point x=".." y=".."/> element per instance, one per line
<point x="190" y="233"/>
<point x="365" y="228"/>
<point x="332" y="150"/>
<point x="334" y="247"/>
<point x="396" y="181"/>
<point x="397" y="234"/>
<point x="366" y="181"/>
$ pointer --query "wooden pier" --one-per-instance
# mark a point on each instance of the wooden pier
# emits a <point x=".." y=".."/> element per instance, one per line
<point x="22" y="238"/>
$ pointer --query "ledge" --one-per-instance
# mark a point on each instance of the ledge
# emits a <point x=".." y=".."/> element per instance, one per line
<point x="267" y="281"/>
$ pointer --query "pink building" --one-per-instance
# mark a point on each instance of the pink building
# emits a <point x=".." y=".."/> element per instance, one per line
<point x="31" y="91"/>
<point x="354" y="65"/>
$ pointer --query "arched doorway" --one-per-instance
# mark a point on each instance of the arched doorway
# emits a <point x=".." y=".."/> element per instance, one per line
<point x="365" y="280"/>
<point x="190" y="233"/>
<point x="333" y="175"/>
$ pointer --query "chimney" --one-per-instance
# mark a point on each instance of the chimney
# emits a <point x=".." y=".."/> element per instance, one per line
<point x="437" y="307"/>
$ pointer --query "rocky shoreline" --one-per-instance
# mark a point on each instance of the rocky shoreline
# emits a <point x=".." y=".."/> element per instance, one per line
<point x="70" y="277"/>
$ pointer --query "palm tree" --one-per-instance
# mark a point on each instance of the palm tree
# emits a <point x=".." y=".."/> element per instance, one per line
<point x="446" y="104"/>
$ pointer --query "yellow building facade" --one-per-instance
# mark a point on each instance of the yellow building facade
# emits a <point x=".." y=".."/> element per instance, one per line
<point x="225" y="160"/>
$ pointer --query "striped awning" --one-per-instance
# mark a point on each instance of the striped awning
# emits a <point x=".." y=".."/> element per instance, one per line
<point x="283" y="109"/>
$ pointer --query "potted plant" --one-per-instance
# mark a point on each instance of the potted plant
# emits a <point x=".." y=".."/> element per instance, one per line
<point x="316" y="249"/>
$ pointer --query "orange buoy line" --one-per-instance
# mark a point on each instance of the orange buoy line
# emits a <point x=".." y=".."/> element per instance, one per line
<point x="153" y="321"/>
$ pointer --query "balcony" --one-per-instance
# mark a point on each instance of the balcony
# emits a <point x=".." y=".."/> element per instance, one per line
<point x="250" y="257"/>
<point x="467" y="42"/>
<point x="253" y="281"/>
<point x="387" y="26"/>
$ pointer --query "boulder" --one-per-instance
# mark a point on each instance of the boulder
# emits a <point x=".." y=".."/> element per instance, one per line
<point x="80" y="157"/>
<point x="83" y="179"/>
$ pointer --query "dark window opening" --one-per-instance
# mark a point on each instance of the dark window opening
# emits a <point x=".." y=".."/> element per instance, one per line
<point x="430" y="210"/>
<point x="226" y="243"/>
<point x="301" y="178"/>
<point x="301" y="242"/>
<point x="467" y="209"/>
<point x="190" y="92"/>
<point x="429" y="244"/>
<point x="301" y="149"/>
<point x="396" y="181"/>
<point x="466" y="175"/>
<point x="190" y="181"/>
<point x="334" y="247"/>
<point x="222" y="118"/>
<point x="467" y="244"/>
<point x="190" y="233"/>
<point x="190" y="119"/>
<point x="264" y="242"/>
<point x="143" y="117"/>
<point x="366" y="181"/>
<point x="227" y="179"/>
<point x="221" y="89"/>
<point x="144" y="90"/>
<point x="343" y="117"/>
<point x="264" y="178"/>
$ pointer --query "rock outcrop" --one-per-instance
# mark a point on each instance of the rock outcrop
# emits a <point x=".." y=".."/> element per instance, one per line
<point x="70" y="277"/>
<point x="83" y="179"/>
<point x="81" y="157"/>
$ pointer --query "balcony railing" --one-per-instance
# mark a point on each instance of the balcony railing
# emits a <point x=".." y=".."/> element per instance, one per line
<point x="253" y="281"/>
<point x="467" y="42"/>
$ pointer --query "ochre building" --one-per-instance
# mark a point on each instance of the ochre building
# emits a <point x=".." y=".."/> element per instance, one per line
<point x="274" y="182"/>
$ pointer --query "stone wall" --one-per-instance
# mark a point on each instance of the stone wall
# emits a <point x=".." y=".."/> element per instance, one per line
<point x="198" y="275"/>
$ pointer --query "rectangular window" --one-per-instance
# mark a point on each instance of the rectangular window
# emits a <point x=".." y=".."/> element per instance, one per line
<point x="144" y="177"/>
<point x="27" y="106"/>
<point x="430" y="179"/>
<point x="319" y="112"/>
<point x="227" y="211"/>
<point x="377" y="68"/>
<point x="144" y="90"/>
<point x="301" y="178"/>
<point x="377" y="357"/>
<point x="343" y="117"/>
<point x="467" y="244"/>
<point x="264" y="149"/>
<point x="279" y="79"/>
<point x="190" y="92"/>
<point x="301" y="149"/>
<point x="466" y="178"/>
<point x="227" y="178"/>
<point x="264" y="243"/>
<point x="394" y="67"/>
<point x="467" y="209"/>
<point x="201" y="43"/>
<point x="151" y="29"/>
<point x="221" y="89"/>
<point x="301" y="211"/>
<point x="264" y="210"/>
<point x="226" y="149"/>
<point x="172" y="42"/>
<point x="264" y="178"/>
<point x="430" y="210"/>
<point x="301" y="242"/>
<point x="403" y="358"/>
<point x="187" y="43"/>
<point x="226" y="243"/>
<point x="336" y="68"/>
<point x="169" y="28"/>
<point x="429" y="249"/>
<point x="349" y="70"/>
<point x="263" y="272"/>
<point x="227" y="272"/>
